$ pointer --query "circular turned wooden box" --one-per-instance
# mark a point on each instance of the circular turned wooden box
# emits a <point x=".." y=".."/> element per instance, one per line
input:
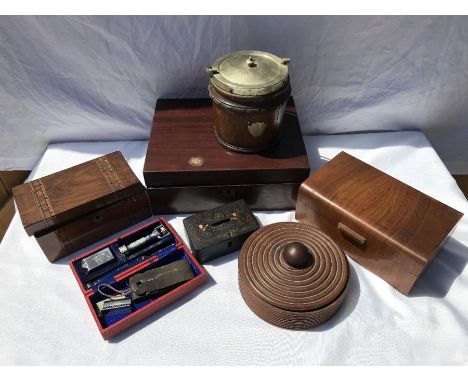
<point x="292" y="275"/>
<point x="249" y="90"/>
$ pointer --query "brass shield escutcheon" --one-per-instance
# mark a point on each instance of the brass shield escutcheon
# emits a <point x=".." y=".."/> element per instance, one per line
<point x="256" y="129"/>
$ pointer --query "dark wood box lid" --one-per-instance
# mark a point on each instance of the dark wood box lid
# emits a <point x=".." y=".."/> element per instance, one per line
<point x="384" y="224"/>
<point x="183" y="151"/>
<point x="58" y="198"/>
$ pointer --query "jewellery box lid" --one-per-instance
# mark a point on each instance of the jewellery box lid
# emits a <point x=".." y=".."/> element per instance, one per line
<point x="61" y="197"/>
<point x="249" y="73"/>
<point x="183" y="150"/>
<point x="385" y="225"/>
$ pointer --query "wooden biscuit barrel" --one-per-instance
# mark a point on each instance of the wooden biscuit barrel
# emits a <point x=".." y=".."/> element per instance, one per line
<point x="249" y="90"/>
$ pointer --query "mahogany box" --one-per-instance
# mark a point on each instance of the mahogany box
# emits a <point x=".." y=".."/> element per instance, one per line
<point x="116" y="275"/>
<point x="383" y="224"/>
<point x="187" y="170"/>
<point x="76" y="207"/>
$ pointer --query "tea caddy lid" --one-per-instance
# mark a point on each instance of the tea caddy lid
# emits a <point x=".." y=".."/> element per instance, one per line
<point x="249" y="73"/>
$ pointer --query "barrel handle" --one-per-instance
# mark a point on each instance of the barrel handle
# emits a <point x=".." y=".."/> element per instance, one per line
<point x="211" y="71"/>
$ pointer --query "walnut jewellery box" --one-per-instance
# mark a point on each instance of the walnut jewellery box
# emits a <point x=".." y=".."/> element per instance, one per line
<point x="383" y="224"/>
<point x="81" y="205"/>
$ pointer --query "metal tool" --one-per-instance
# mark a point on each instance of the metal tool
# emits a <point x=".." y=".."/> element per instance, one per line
<point x="159" y="232"/>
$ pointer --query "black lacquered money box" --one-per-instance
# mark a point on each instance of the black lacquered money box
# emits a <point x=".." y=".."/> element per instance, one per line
<point x="221" y="230"/>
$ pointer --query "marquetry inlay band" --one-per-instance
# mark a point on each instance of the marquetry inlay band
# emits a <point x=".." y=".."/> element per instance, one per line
<point x="41" y="199"/>
<point x="109" y="173"/>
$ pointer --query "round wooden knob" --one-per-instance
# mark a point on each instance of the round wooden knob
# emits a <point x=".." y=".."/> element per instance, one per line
<point x="297" y="255"/>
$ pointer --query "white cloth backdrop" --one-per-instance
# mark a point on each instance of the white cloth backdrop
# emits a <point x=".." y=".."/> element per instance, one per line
<point x="45" y="320"/>
<point x="97" y="78"/>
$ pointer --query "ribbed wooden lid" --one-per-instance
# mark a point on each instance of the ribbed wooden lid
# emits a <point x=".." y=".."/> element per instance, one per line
<point x="292" y="275"/>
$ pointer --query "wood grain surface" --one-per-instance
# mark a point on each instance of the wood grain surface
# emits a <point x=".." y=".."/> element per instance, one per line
<point x="76" y="207"/>
<point x="187" y="170"/>
<point x="183" y="150"/>
<point x="66" y="195"/>
<point x="385" y="225"/>
<point x="95" y="226"/>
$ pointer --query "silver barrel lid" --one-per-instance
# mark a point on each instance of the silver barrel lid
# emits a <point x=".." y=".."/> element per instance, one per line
<point x="249" y="73"/>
